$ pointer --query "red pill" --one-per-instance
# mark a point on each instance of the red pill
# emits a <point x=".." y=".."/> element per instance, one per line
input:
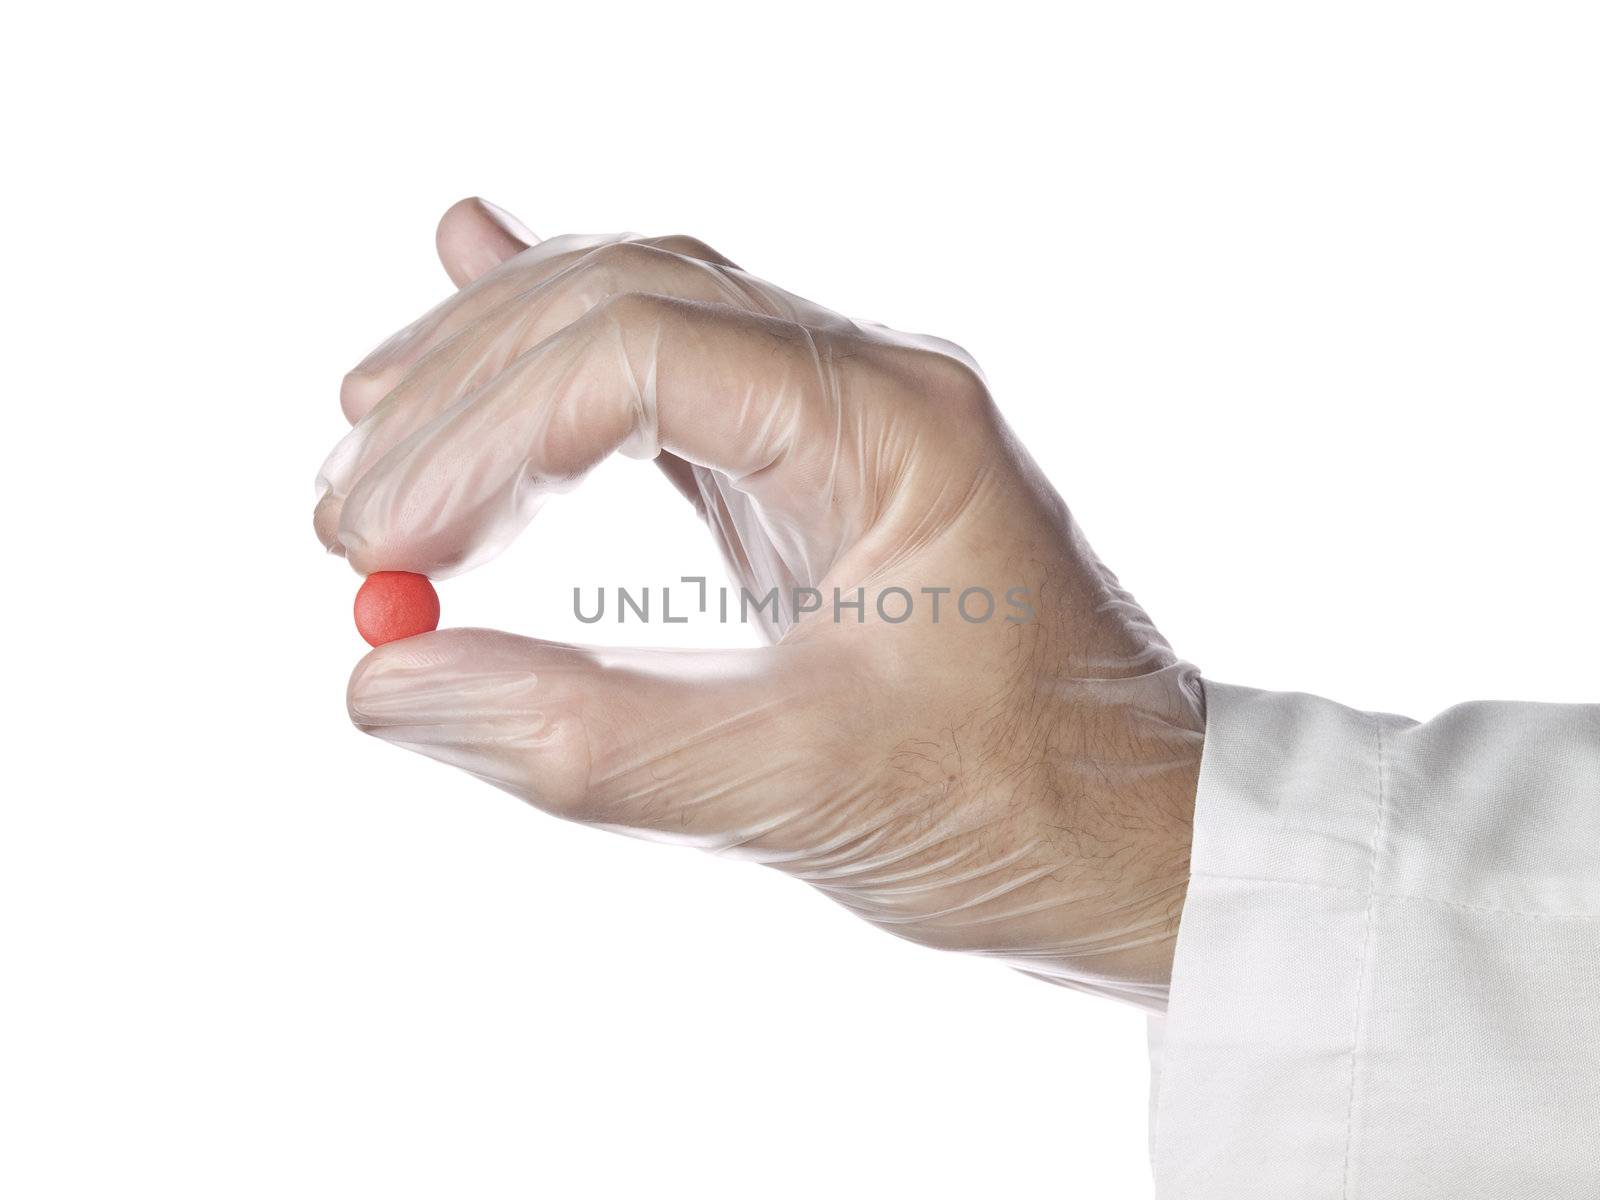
<point x="395" y="604"/>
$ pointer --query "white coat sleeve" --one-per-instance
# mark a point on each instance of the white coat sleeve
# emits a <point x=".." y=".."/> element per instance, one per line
<point x="1387" y="977"/>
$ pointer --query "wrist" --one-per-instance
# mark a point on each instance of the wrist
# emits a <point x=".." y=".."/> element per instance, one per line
<point x="1121" y="820"/>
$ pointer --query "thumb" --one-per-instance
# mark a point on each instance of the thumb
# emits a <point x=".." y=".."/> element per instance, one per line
<point x="710" y="748"/>
<point x="475" y="236"/>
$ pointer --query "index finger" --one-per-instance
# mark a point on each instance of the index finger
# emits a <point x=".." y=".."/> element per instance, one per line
<point x="761" y="400"/>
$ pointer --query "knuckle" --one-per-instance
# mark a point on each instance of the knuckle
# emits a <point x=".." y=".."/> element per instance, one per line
<point x="631" y="266"/>
<point x="947" y="374"/>
<point x="560" y="770"/>
<point x="961" y="380"/>
<point x="688" y="246"/>
<point x="618" y="256"/>
<point x="628" y="308"/>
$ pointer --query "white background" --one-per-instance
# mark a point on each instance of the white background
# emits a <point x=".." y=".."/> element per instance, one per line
<point x="1297" y="304"/>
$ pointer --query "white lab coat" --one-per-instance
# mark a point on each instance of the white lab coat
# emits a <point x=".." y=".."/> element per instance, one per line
<point x="1387" y="978"/>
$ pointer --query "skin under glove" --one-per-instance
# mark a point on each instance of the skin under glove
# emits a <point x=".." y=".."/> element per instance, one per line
<point x="1019" y="786"/>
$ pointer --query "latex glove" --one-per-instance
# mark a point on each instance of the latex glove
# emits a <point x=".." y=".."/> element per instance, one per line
<point x="1017" y="790"/>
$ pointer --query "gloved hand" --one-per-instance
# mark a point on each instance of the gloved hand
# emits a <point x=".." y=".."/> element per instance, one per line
<point x="1013" y="787"/>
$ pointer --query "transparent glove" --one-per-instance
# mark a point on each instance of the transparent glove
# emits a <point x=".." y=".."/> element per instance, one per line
<point x="1018" y="786"/>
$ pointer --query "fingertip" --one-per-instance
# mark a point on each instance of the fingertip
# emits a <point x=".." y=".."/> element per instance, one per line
<point x="475" y="236"/>
<point x="362" y="389"/>
<point x="385" y="673"/>
<point x="475" y="699"/>
<point x="325" y="521"/>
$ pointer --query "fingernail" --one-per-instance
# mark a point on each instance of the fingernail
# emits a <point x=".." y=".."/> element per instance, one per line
<point x="484" y="722"/>
<point x="513" y="227"/>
